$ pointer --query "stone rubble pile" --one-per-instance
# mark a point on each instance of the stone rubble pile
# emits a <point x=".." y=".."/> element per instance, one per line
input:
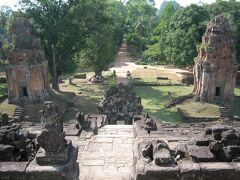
<point x="15" y="145"/>
<point x="219" y="143"/>
<point x="120" y="104"/>
<point x="157" y="152"/>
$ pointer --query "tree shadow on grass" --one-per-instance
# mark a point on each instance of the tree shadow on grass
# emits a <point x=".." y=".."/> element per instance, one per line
<point x="154" y="99"/>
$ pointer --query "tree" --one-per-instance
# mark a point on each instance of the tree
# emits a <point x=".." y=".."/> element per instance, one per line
<point x="5" y="13"/>
<point x="166" y="3"/>
<point x="140" y="21"/>
<point x="184" y="33"/>
<point x="155" y="51"/>
<point x="102" y="45"/>
<point x="63" y="25"/>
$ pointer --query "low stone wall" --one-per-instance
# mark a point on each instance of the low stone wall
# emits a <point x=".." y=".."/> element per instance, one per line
<point x="187" y="170"/>
<point x="155" y="84"/>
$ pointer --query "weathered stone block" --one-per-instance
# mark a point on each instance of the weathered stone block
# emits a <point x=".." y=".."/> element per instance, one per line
<point x="189" y="170"/>
<point x="202" y="142"/>
<point x="230" y="134"/>
<point x="163" y="157"/>
<point x="200" y="153"/>
<point x="230" y="142"/>
<point x="147" y="152"/>
<point x="215" y="147"/>
<point x="217" y="171"/>
<point x="67" y="171"/>
<point x="154" y="172"/>
<point x="44" y="158"/>
<point x="13" y="170"/>
<point x="181" y="150"/>
<point x="6" y="152"/>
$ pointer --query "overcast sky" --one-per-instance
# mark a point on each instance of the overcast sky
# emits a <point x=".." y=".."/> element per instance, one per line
<point x="11" y="3"/>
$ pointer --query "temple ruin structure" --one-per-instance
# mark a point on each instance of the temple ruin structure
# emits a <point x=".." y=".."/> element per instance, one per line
<point x="216" y="67"/>
<point x="27" y="72"/>
<point x="120" y="105"/>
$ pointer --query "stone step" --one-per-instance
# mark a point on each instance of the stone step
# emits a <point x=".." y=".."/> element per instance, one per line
<point x="225" y="112"/>
<point x="109" y="176"/>
<point x="118" y="127"/>
<point x="115" y="136"/>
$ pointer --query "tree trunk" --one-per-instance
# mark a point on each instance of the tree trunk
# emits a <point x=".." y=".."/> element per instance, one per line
<point x="55" y="75"/>
<point x="98" y="72"/>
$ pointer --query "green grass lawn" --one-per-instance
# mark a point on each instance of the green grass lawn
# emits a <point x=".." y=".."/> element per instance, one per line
<point x="3" y="90"/>
<point x="154" y="99"/>
<point x="199" y="109"/>
<point x="88" y="95"/>
<point x="237" y="90"/>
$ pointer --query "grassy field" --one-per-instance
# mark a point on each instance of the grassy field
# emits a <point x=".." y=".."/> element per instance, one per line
<point x="154" y="99"/>
<point x="7" y="108"/>
<point x="237" y="90"/>
<point x="152" y="74"/>
<point x="3" y="90"/>
<point x="87" y="96"/>
<point x="198" y="109"/>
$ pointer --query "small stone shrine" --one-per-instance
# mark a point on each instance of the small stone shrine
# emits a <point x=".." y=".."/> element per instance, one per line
<point x="215" y="69"/>
<point x="54" y="148"/>
<point x="27" y="72"/>
<point x="120" y="105"/>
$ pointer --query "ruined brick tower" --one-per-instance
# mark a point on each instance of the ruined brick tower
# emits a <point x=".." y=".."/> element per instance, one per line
<point x="27" y="72"/>
<point x="216" y="67"/>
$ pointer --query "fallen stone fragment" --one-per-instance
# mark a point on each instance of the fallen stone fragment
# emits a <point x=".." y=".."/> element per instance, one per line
<point x="230" y="134"/>
<point x="181" y="150"/>
<point x="224" y="155"/>
<point x="217" y="136"/>
<point x="200" y="153"/>
<point x="202" y="142"/>
<point x="163" y="157"/>
<point x="147" y="152"/>
<point x="218" y="128"/>
<point x="230" y="142"/>
<point x="215" y="147"/>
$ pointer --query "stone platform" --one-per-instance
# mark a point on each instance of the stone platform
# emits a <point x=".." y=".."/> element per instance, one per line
<point x="113" y="154"/>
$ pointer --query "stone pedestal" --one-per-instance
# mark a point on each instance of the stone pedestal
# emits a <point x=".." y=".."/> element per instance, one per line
<point x="67" y="171"/>
<point x="48" y="158"/>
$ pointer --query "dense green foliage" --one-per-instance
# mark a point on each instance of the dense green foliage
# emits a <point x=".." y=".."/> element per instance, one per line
<point x="141" y="18"/>
<point x="91" y="28"/>
<point x="155" y="51"/>
<point x="88" y="33"/>
<point x="101" y="46"/>
<point x="5" y="13"/>
<point x="180" y="31"/>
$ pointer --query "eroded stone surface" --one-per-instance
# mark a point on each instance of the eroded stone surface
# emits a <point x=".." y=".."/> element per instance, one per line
<point x="27" y="72"/>
<point x="216" y="63"/>
<point x="108" y="155"/>
<point x="120" y="104"/>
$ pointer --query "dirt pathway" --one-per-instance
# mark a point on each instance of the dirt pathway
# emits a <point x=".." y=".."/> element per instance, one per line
<point x="123" y="63"/>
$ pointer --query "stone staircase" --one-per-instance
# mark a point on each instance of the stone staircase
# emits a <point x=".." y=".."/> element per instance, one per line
<point x="18" y="114"/>
<point x="108" y="155"/>
<point x="225" y="113"/>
